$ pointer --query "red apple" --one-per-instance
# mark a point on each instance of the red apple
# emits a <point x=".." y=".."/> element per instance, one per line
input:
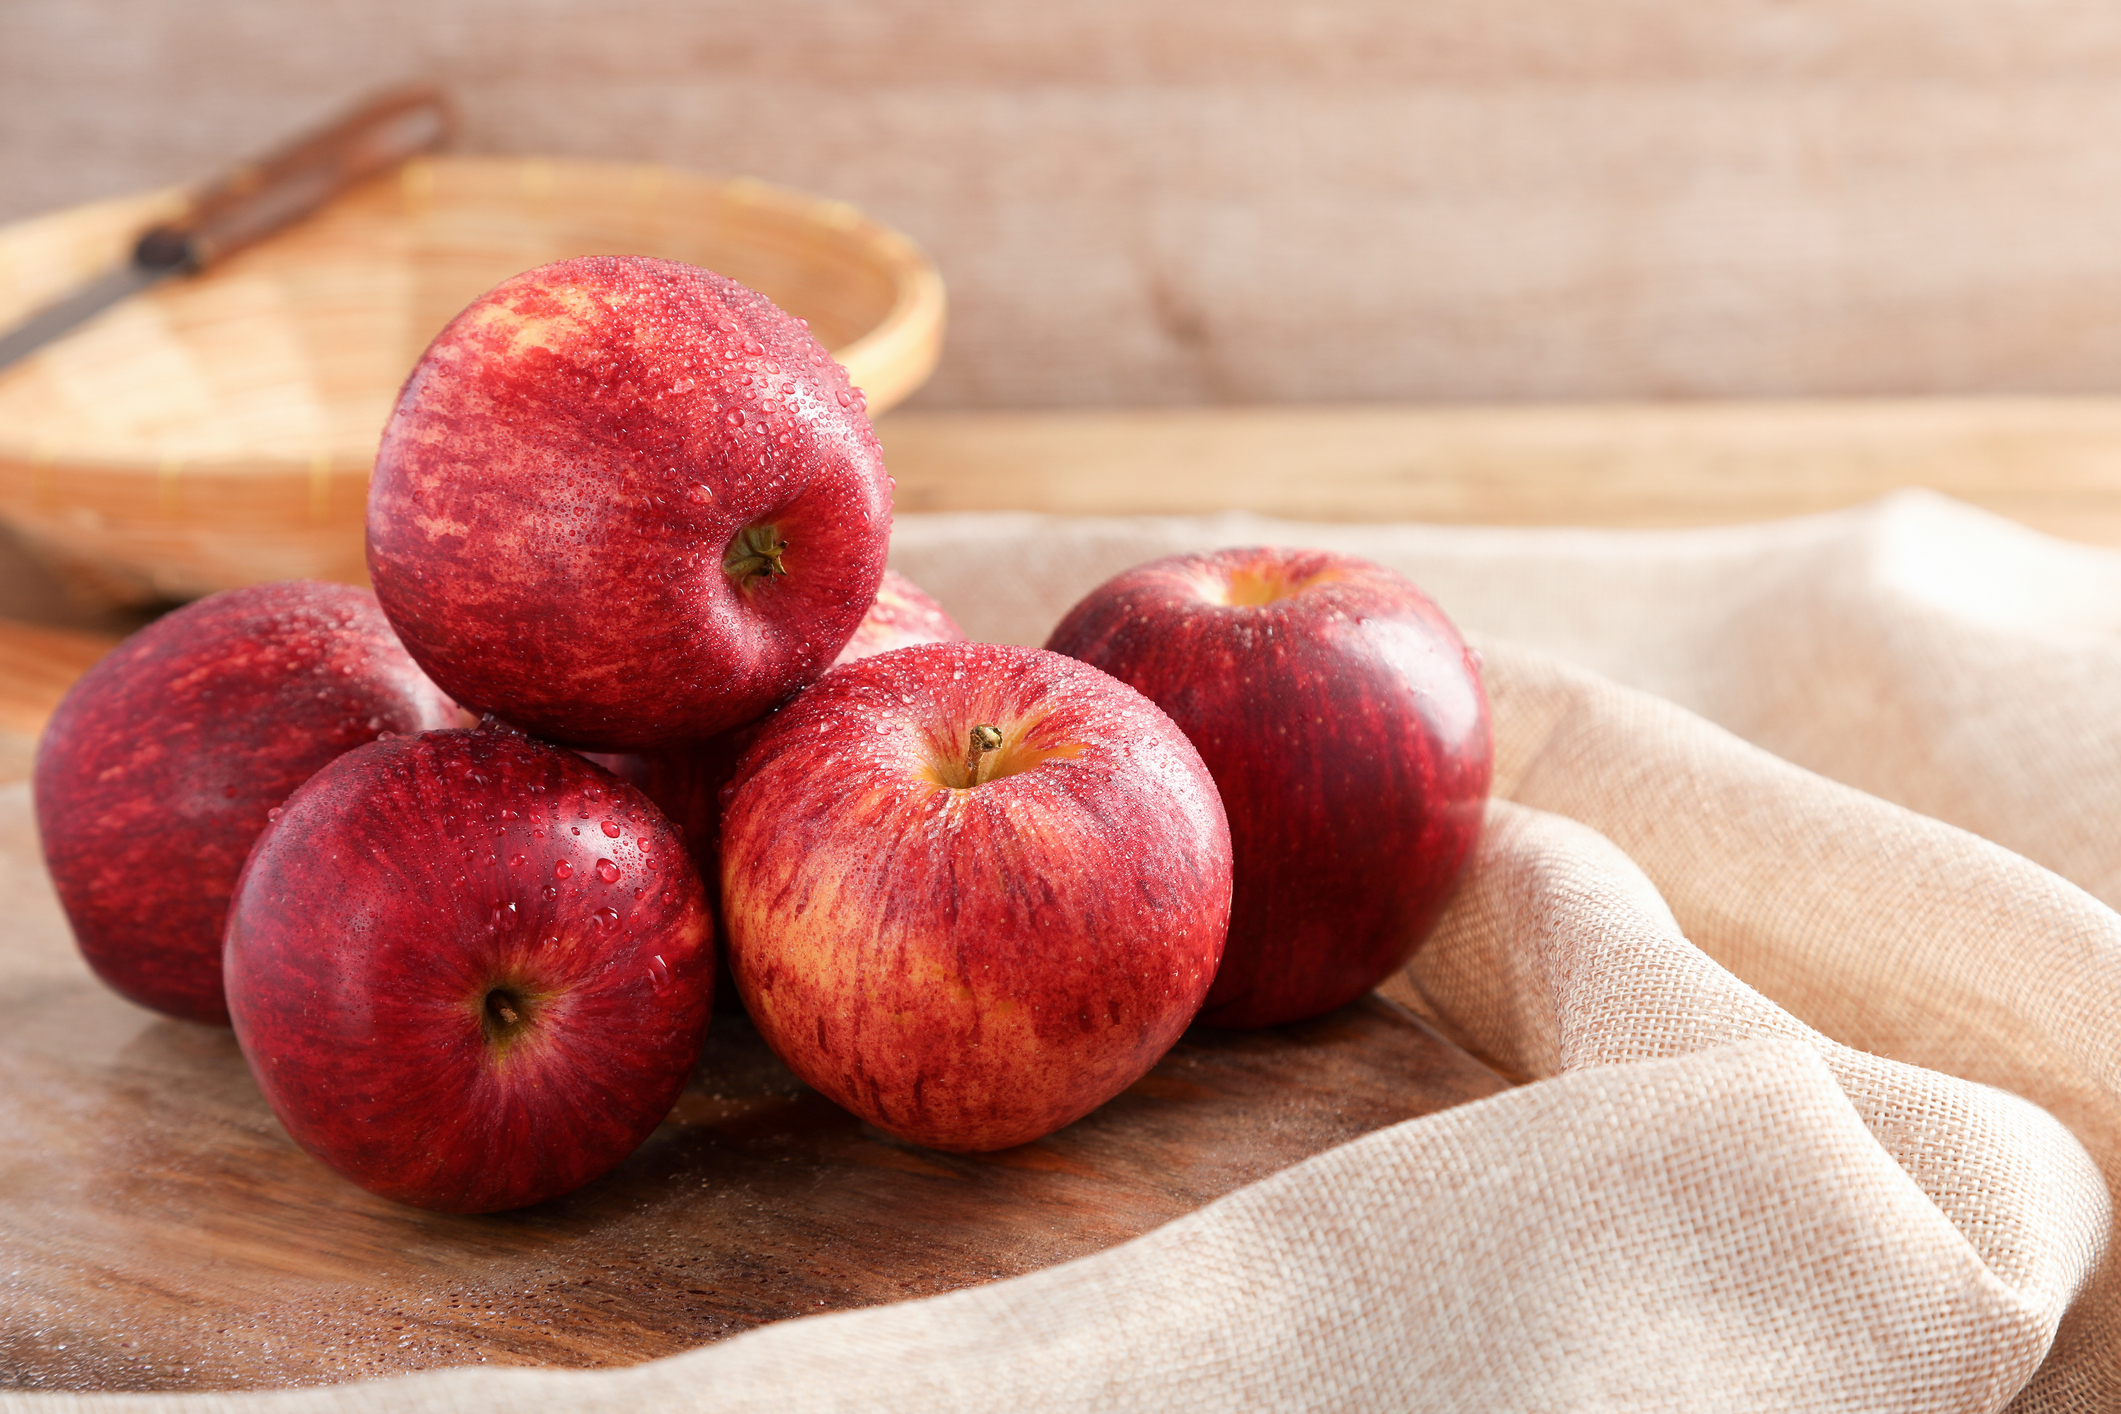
<point x="470" y="971"/>
<point x="1345" y="725"/>
<point x="156" y="772"/>
<point x="625" y="503"/>
<point x="972" y="891"/>
<point x="902" y="615"/>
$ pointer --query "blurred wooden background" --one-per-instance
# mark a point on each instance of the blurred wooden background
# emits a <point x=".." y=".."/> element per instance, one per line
<point x="1154" y="202"/>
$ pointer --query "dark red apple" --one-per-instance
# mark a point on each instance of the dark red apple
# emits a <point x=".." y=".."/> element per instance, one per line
<point x="156" y="772"/>
<point x="1345" y="724"/>
<point x="902" y="615"/>
<point x="972" y="891"/>
<point x="470" y="971"/>
<point x="626" y="503"/>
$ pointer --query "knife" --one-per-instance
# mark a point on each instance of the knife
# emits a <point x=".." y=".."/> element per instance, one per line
<point x="250" y="203"/>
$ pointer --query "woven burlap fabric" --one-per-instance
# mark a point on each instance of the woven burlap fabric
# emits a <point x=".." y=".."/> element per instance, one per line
<point x="1771" y="1152"/>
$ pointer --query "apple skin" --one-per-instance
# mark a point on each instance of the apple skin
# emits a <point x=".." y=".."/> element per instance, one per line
<point x="156" y="771"/>
<point x="407" y="894"/>
<point x="902" y="615"/>
<point x="972" y="968"/>
<point x="1344" y="721"/>
<point x="563" y="496"/>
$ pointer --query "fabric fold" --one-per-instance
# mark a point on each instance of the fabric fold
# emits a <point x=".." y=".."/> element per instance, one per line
<point x="1603" y="1241"/>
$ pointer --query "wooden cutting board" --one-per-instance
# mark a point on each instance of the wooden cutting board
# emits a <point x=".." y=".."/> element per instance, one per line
<point x="160" y="1232"/>
<point x="37" y="665"/>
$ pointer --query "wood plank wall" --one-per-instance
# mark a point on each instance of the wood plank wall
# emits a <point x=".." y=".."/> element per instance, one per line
<point x="1142" y="202"/>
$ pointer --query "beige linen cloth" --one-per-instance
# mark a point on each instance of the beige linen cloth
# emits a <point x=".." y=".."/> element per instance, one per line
<point x="1789" y="912"/>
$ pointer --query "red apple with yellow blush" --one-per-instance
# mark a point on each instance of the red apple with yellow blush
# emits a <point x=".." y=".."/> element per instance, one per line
<point x="972" y="891"/>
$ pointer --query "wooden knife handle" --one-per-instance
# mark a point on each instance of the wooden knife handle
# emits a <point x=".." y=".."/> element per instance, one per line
<point x="260" y="197"/>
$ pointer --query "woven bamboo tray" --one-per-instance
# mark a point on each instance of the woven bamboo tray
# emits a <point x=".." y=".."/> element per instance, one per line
<point x="220" y="431"/>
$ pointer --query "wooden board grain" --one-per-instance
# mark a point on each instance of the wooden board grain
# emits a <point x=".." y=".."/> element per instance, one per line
<point x="2051" y="463"/>
<point x="159" y="1231"/>
<point x="37" y="665"/>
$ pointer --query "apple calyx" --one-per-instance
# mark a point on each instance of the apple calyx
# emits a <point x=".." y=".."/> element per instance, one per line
<point x="756" y="550"/>
<point x="504" y="1015"/>
<point x="1256" y="586"/>
<point x="983" y="739"/>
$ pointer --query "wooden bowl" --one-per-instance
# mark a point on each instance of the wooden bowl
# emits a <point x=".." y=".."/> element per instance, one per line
<point x="219" y="431"/>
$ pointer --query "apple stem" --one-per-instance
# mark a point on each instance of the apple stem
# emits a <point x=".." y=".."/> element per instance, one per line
<point x="984" y="739"/>
<point x="756" y="550"/>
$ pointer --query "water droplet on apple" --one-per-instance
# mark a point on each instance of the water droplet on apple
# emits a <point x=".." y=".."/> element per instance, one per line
<point x="561" y="869"/>
<point x="733" y="418"/>
<point x="659" y="973"/>
<point x="607" y="871"/>
<point x="552" y="891"/>
<point x="611" y="827"/>
<point x="272" y="814"/>
<point x="606" y="917"/>
<point x="517" y="861"/>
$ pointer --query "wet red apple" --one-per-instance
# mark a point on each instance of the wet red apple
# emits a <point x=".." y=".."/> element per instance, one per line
<point x="1344" y="722"/>
<point x="972" y="891"/>
<point x="469" y="970"/>
<point x="626" y="503"/>
<point x="155" y="774"/>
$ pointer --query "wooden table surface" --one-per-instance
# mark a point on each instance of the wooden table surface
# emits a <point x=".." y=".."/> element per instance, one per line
<point x="2050" y="463"/>
<point x="162" y="1233"/>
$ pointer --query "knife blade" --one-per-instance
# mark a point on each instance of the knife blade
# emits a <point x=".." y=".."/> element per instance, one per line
<point x="250" y="203"/>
